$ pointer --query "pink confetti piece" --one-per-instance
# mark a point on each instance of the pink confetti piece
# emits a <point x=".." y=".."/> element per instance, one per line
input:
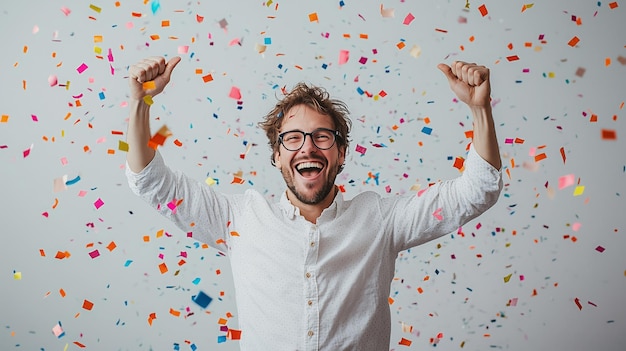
<point x="53" y="80"/>
<point x="363" y="60"/>
<point x="110" y="55"/>
<point x="565" y="181"/>
<point x="600" y="249"/>
<point x="437" y="214"/>
<point x="408" y="19"/>
<point x="183" y="49"/>
<point x="27" y="151"/>
<point x="34" y="118"/>
<point x="57" y="330"/>
<point x="66" y="11"/>
<point x="235" y="93"/>
<point x="344" y="55"/>
<point x="98" y="203"/>
<point x="360" y="149"/>
<point x="94" y="254"/>
<point x="82" y="68"/>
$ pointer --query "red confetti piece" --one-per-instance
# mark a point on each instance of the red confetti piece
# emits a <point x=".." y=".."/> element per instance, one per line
<point x="609" y="134"/>
<point x="600" y="249"/>
<point x="577" y="302"/>
<point x="483" y="10"/>
<point x="512" y="58"/>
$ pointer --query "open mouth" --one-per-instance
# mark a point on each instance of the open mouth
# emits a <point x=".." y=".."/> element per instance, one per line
<point x="309" y="169"/>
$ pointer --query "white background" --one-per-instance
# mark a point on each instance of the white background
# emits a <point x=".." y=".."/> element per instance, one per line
<point x="465" y="301"/>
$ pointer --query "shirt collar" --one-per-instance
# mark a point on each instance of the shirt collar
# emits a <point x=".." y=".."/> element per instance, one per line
<point x="292" y="211"/>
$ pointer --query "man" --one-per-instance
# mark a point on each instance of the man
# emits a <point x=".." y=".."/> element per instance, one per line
<point x="313" y="271"/>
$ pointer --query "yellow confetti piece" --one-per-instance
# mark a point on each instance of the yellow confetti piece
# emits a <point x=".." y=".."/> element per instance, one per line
<point x="579" y="190"/>
<point x="210" y="181"/>
<point x="148" y="100"/>
<point x="17" y="275"/>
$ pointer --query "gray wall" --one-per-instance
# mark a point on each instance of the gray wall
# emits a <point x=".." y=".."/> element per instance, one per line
<point x="546" y="98"/>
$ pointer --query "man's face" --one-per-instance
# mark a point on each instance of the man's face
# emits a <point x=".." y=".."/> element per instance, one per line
<point x="309" y="172"/>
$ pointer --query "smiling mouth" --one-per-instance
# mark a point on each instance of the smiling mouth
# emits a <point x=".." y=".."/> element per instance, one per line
<point x="309" y="169"/>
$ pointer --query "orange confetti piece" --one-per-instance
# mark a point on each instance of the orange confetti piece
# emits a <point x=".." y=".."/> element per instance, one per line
<point x="151" y="317"/>
<point x="62" y="293"/>
<point x="165" y="23"/>
<point x="233" y="233"/>
<point x="540" y="157"/>
<point x="88" y="305"/>
<point x="313" y="17"/>
<point x="613" y="5"/>
<point x="163" y="268"/>
<point x="148" y="85"/>
<point x="207" y="78"/>
<point x="174" y="312"/>
<point x="572" y="42"/>
<point x="607" y="61"/>
<point x="405" y="342"/>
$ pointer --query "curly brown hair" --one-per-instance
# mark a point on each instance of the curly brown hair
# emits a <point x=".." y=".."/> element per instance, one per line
<point x="316" y="98"/>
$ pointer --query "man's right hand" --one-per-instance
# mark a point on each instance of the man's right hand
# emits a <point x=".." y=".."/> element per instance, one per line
<point x="151" y="69"/>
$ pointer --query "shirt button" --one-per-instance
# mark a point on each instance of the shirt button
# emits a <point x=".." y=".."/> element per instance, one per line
<point x="312" y="243"/>
<point x="310" y="333"/>
<point x="308" y="275"/>
<point x="310" y="303"/>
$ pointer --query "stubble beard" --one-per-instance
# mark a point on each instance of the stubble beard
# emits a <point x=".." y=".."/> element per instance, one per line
<point x="318" y="196"/>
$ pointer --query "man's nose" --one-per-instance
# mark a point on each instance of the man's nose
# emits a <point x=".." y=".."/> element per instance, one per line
<point x="308" y="145"/>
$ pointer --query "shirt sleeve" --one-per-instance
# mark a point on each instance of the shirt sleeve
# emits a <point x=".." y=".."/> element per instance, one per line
<point x="194" y="207"/>
<point x="445" y="206"/>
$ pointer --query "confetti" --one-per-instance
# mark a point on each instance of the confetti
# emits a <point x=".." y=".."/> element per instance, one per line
<point x="201" y="299"/>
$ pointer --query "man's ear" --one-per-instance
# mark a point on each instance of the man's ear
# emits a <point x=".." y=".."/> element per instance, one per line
<point x="342" y="155"/>
<point x="277" y="159"/>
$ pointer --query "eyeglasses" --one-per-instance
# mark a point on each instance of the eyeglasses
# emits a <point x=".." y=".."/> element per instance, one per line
<point x="293" y="140"/>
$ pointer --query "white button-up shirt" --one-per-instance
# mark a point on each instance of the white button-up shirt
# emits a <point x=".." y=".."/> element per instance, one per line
<point x="323" y="286"/>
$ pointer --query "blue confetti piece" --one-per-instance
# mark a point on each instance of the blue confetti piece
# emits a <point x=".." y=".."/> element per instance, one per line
<point x="267" y="41"/>
<point x="73" y="181"/>
<point x="221" y="339"/>
<point x="127" y="263"/>
<point x="196" y="281"/>
<point x="101" y="95"/>
<point x="360" y="91"/>
<point x="155" y="6"/>
<point x="202" y="299"/>
<point x="427" y="130"/>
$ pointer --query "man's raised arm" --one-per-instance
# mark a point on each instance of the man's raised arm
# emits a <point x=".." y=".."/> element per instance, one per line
<point x="470" y="83"/>
<point x="147" y="77"/>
